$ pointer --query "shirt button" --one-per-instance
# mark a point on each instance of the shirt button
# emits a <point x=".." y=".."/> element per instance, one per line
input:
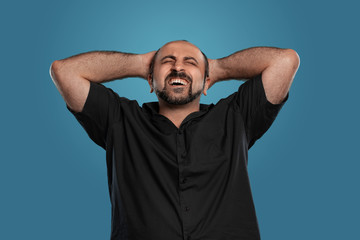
<point x="187" y="209"/>
<point x="183" y="155"/>
<point x="184" y="180"/>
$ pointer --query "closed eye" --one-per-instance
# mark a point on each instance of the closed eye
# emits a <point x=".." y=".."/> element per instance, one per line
<point x="191" y="60"/>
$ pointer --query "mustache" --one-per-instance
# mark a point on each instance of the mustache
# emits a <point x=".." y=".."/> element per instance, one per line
<point x="176" y="74"/>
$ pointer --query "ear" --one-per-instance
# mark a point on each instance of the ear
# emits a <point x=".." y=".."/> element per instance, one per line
<point x="207" y="85"/>
<point x="150" y="81"/>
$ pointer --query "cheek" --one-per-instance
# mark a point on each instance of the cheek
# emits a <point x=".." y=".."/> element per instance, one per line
<point x="156" y="84"/>
<point x="158" y="80"/>
<point x="199" y="85"/>
<point x="160" y="75"/>
<point x="198" y="82"/>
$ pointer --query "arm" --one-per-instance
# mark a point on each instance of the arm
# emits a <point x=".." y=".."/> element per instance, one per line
<point x="72" y="76"/>
<point x="277" y="66"/>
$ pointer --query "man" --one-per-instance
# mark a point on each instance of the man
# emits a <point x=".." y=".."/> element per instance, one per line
<point x="177" y="169"/>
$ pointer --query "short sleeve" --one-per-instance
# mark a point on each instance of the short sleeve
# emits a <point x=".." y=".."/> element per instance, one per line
<point x="257" y="112"/>
<point x="102" y="108"/>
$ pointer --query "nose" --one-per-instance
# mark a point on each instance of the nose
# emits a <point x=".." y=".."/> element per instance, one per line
<point x="178" y="66"/>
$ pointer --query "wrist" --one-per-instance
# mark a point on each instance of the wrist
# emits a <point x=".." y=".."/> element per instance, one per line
<point x="217" y="71"/>
<point x="141" y="69"/>
<point x="145" y="61"/>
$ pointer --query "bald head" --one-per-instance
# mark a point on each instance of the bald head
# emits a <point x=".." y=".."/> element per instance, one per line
<point x="180" y="45"/>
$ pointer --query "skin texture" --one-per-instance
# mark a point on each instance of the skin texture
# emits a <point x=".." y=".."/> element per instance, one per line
<point x="72" y="76"/>
<point x="277" y="66"/>
<point x="181" y="57"/>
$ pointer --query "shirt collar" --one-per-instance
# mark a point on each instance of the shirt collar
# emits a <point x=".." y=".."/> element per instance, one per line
<point x="152" y="109"/>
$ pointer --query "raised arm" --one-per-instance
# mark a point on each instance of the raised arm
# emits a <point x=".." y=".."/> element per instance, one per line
<point x="277" y="66"/>
<point x="72" y="76"/>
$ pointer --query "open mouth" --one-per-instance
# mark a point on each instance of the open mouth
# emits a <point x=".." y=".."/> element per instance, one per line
<point x="178" y="82"/>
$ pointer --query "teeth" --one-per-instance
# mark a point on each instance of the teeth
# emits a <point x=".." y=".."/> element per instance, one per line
<point x="177" y="81"/>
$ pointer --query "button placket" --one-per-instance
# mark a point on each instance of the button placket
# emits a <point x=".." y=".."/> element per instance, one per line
<point x="181" y="155"/>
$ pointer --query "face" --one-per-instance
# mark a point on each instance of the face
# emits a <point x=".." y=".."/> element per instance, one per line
<point x="179" y="73"/>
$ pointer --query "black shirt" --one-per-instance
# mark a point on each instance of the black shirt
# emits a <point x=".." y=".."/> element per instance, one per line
<point x="191" y="182"/>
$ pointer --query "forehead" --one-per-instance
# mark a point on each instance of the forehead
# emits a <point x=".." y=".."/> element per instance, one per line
<point x="180" y="49"/>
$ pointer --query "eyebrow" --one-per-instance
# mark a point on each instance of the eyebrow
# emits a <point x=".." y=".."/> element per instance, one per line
<point x="174" y="58"/>
<point x="191" y="58"/>
<point x="169" y="56"/>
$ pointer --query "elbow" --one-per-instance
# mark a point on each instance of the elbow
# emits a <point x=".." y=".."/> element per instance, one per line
<point x="291" y="58"/>
<point x="54" y="69"/>
<point x="57" y="74"/>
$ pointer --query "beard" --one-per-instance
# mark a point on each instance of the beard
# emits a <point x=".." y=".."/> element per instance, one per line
<point x="164" y="95"/>
<point x="181" y="100"/>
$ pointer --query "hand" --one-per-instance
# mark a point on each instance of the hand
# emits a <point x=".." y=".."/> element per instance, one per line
<point x="146" y="60"/>
<point x="214" y="72"/>
<point x="210" y="80"/>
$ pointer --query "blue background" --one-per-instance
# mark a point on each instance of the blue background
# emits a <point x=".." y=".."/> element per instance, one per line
<point x="304" y="171"/>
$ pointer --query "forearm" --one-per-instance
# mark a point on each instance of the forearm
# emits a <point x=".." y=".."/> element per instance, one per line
<point x="103" y="66"/>
<point x="245" y="64"/>
<point x="277" y="66"/>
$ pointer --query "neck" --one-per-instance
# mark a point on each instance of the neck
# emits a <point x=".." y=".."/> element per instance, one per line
<point x="177" y="113"/>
